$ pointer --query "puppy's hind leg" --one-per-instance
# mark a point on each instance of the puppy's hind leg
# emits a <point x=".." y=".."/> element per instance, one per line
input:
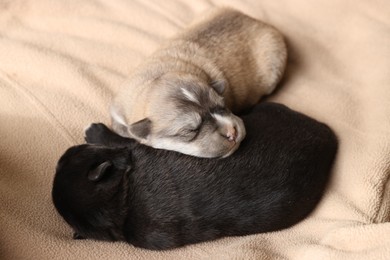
<point x="98" y="133"/>
<point x="271" y="53"/>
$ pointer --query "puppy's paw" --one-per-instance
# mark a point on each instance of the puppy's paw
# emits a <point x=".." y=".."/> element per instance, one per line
<point x="77" y="236"/>
<point x="95" y="133"/>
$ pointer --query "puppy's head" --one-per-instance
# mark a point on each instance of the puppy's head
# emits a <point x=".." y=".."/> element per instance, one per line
<point x="188" y="115"/>
<point x="90" y="190"/>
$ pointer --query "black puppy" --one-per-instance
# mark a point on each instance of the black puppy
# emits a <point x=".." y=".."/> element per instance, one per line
<point x="118" y="189"/>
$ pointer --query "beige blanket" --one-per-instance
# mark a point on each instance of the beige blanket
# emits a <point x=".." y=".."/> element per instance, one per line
<point x="61" y="62"/>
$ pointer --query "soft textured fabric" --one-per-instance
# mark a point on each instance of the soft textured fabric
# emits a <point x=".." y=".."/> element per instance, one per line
<point x="61" y="62"/>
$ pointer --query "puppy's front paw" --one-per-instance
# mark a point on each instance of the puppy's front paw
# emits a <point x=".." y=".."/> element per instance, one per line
<point x="95" y="133"/>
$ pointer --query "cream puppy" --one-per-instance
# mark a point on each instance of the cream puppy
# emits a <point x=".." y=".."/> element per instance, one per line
<point x="184" y="96"/>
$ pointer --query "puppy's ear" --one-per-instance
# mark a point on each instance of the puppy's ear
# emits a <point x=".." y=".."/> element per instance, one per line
<point x="98" y="173"/>
<point x="219" y="86"/>
<point x="142" y="128"/>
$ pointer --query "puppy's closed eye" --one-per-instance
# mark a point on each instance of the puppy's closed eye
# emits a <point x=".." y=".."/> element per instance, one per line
<point x="190" y="132"/>
<point x="192" y="129"/>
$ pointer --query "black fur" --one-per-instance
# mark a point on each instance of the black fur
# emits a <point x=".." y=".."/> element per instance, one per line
<point x="159" y="199"/>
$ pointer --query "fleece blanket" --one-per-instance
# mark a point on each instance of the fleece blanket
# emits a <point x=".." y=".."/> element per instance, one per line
<point x="61" y="62"/>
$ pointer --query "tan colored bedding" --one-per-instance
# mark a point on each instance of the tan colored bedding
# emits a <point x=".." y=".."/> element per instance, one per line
<point x="61" y="62"/>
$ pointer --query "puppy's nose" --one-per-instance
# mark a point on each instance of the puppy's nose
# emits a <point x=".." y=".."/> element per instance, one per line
<point x="231" y="134"/>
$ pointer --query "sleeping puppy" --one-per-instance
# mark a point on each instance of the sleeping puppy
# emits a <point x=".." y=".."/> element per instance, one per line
<point x="117" y="189"/>
<point x="181" y="98"/>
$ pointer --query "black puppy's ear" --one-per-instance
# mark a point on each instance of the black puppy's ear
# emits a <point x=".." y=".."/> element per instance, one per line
<point x="219" y="86"/>
<point x="142" y="128"/>
<point x="98" y="173"/>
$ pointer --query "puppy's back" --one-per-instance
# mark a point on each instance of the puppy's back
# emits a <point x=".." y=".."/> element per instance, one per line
<point x="251" y="53"/>
<point x="297" y="156"/>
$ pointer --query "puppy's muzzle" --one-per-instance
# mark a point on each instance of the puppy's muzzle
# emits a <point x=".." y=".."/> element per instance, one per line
<point x="232" y="134"/>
